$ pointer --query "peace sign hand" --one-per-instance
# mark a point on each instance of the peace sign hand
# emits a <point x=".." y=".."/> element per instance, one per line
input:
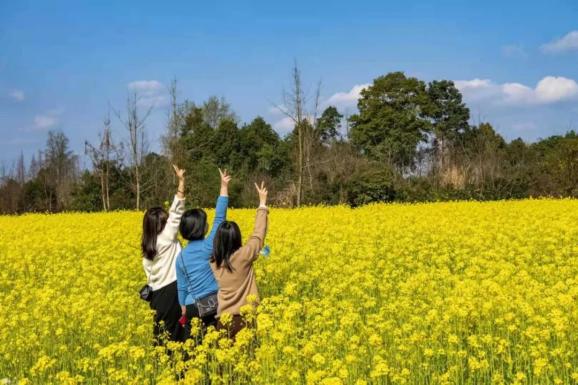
<point x="225" y="177"/>
<point x="262" y="191"/>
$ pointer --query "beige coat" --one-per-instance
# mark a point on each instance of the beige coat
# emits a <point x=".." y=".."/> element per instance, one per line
<point x="234" y="287"/>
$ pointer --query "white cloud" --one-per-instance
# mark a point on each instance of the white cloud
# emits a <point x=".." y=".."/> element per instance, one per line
<point x="17" y="95"/>
<point x="474" y="87"/>
<point x="346" y="99"/>
<point x="569" y="42"/>
<point x="151" y="93"/>
<point x="146" y="85"/>
<point x="284" y="125"/>
<point x="45" y="121"/>
<point x="517" y="93"/>
<point x="550" y="89"/>
<point x="476" y="83"/>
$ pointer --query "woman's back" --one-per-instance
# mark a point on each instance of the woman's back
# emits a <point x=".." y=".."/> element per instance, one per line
<point x="197" y="276"/>
<point x="160" y="270"/>
<point x="160" y="248"/>
<point x="194" y="276"/>
<point x="236" y="285"/>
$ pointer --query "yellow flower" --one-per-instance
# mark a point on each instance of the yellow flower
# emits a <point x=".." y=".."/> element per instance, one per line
<point x="351" y="296"/>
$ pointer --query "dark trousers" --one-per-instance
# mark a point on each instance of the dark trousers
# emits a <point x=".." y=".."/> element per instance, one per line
<point x="192" y="312"/>
<point x="168" y="311"/>
<point x="236" y="325"/>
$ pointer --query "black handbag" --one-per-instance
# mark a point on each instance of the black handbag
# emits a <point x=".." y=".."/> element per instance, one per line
<point x="207" y="305"/>
<point x="146" y="293"/>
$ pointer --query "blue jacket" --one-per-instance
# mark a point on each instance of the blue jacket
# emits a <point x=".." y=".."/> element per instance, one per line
<point x="195" y="278"/>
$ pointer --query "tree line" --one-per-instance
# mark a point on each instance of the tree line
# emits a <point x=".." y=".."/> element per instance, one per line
<point x="409" y="140"/>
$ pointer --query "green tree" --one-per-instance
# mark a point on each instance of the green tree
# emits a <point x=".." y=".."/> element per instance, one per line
<point x="328" y="125"/>
<point x="226" y="145"/>
<point x="485" y="152"/>
<point x="556" y="168"/>
<point x="196" y="135"/>
<point x="261" y="149"/>
<point x="392" y="120"/>
<point x="86" y="195"/>
<point x="449" y="117"/>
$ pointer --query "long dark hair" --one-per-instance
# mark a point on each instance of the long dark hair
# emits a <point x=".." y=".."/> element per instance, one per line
<point x="193" y="224"/>
<point x="227" y="241"/>
<point x="153" y="223"/>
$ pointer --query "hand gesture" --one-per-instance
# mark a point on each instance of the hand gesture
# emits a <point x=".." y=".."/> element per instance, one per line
<point x="262" y="191"/>
<point x="225" y="177"/>
<point x="179" y="172"/>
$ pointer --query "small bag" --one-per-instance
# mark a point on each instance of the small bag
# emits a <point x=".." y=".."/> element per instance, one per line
<point x="207" y="305"/>
<point x="146" y="293"/>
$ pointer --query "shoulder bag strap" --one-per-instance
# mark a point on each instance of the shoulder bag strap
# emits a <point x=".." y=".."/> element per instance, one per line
<point x="186" y="273"/>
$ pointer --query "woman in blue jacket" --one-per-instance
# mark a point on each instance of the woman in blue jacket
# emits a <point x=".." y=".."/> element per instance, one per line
<point x="195" y="280"/>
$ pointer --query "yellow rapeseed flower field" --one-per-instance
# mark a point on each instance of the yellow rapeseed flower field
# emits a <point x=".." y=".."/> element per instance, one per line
<point x="444" y="293"/>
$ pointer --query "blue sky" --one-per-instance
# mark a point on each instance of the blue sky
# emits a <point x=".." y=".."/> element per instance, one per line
<point x="63" y="62"/>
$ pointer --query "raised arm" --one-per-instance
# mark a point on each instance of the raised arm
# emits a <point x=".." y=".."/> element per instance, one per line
<point x="220" y="209"/>
<point x="177" y="207"/>
<point x="181" y="176"/>
<point x="257" y="239"/>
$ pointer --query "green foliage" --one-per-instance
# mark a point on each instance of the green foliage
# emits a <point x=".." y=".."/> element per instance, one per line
<point x="328" y="125"/>
<point x="261" y="148"/>
<point x="391" y="121"/>
<point x="86" y="194"/>
<point x="371" y="184"/>
<point x="445" y="108"/>
<point x="409" y="141"/>
<point x="226" y="145"/>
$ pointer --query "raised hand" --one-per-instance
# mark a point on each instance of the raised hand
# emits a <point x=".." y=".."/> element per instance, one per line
<point x="262" y="191"/>
<point x="181" y="176"/>
<point x="225" y="179"/>
<point x="179" y="172"/>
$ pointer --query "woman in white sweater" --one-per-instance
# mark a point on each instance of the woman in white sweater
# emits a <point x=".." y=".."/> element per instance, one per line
<point x="160" y="248"/>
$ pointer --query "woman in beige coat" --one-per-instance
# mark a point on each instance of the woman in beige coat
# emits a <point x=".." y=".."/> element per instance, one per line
<point x="232" y="264"/>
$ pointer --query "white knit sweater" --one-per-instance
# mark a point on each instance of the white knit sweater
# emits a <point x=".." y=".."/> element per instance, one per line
<point x="161" y="270"/>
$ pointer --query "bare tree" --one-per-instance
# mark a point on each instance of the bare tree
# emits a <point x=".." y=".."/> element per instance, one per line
<point x="3" y="172"/>
<point x="309" y="135"/>
<point x="60" y="171"/>
<point x="294" y="107"/>
<point x="134" y="122"/>
<point x="101" y="158"/>
<point x="33" y="168"/>
<point x="21" y="169"/>
<point x="215" y="110"/>
<point x="171" y="144"/>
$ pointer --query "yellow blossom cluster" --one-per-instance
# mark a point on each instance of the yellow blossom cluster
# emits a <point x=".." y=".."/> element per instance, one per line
<point x="441" y="293"/>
